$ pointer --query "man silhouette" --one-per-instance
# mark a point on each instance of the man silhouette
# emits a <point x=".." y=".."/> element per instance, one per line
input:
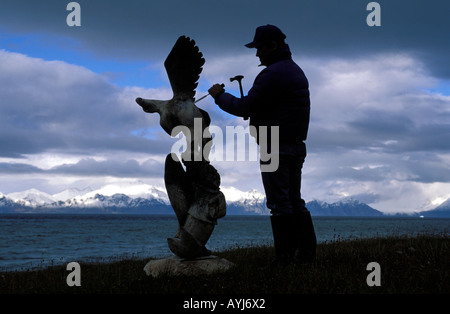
<point x="279" y="97"/>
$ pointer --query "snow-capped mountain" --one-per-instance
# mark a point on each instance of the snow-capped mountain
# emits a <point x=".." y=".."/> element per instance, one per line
<point x="132" y="190"/>
<point x="8" y="205"/>
<point x="143" y="198"/>
<point x="110" y="198"/>
<point x="70" y="193"/>
<point x="443" y="210"/>
<point x="32" y="198"/>
<point x="347" y="207"/>
<point x="119" y="195"/>
<point x="239" y="202"/>
<point x="234" y="195"/>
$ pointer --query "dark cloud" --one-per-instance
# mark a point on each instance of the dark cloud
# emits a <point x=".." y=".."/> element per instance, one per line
<point x="382" y="124"/>
<point x="54" y="106"/>
<point x="89" y="167"/>
<point x="146" y="30"/>
<point x="16" y="143"/>
<point x="18" y="168"/>
<point x="367" y="198"/>
<point x="402" y="132"/>
<point x="126" y="168"/>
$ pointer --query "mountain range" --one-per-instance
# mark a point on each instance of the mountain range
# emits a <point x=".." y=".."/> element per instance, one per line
<point x="147" y="199"/>
<point x="441" y="211"/>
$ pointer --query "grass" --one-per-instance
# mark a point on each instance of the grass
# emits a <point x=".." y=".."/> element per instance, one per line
<point x="418" y="265"/>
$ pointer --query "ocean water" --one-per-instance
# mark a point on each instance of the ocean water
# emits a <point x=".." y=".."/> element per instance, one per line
<point x="30" y="241"/>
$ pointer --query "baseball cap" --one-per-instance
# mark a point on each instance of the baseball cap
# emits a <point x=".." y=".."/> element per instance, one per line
<point x="266" y="34"/>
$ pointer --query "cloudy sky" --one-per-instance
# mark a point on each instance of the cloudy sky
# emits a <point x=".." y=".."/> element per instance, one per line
<point x="380" y="119"/>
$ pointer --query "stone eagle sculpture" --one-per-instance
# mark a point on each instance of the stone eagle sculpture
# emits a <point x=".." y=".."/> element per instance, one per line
<point x="183" y="66"/>
<point x="194" y="193"/>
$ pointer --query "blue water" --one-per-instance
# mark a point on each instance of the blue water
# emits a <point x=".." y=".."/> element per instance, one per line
<point x="29" y="241"/>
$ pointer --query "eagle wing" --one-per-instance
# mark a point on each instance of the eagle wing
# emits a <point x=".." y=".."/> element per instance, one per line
<point x="184" y="65"/>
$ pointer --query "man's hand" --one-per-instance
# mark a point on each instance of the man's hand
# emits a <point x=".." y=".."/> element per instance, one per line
<point x="215" y="90"/>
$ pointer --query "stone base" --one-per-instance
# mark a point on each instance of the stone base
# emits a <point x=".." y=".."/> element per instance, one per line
<point x="176" y="266"/>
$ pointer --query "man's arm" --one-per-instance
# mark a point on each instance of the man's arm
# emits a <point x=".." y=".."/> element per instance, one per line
<point x="233" y="105"/>
<point x="243" y="107"/>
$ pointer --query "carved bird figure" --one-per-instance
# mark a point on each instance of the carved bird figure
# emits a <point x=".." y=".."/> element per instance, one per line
<point x="183" y="66"/>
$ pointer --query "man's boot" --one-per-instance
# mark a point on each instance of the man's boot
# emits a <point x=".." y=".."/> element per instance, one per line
<point x="306" y="237"/>
<point x="284" y="238"/>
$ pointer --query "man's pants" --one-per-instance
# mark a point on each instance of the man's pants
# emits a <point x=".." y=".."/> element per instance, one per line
<point x="282" y="187"/>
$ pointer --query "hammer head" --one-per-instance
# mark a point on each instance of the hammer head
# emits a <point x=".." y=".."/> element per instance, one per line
<point x="237" y="78"/>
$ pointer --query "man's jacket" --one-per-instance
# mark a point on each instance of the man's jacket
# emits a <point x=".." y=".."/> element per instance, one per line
<point x="279" y="97"/>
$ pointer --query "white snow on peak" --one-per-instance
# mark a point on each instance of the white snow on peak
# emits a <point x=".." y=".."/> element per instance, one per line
<point x="131" y="190"/>
<point x="32" y="197"/>
<point x="70" y="193"/>
<point x="87" y="196"/>
<point x="234" y="195"/>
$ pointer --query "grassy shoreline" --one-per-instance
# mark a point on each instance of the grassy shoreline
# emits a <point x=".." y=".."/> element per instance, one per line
<point x="409" y="265"/>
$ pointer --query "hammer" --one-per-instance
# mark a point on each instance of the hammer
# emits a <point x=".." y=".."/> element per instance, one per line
<point x="239" y="79"/>
<point x="203" y="97"/>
